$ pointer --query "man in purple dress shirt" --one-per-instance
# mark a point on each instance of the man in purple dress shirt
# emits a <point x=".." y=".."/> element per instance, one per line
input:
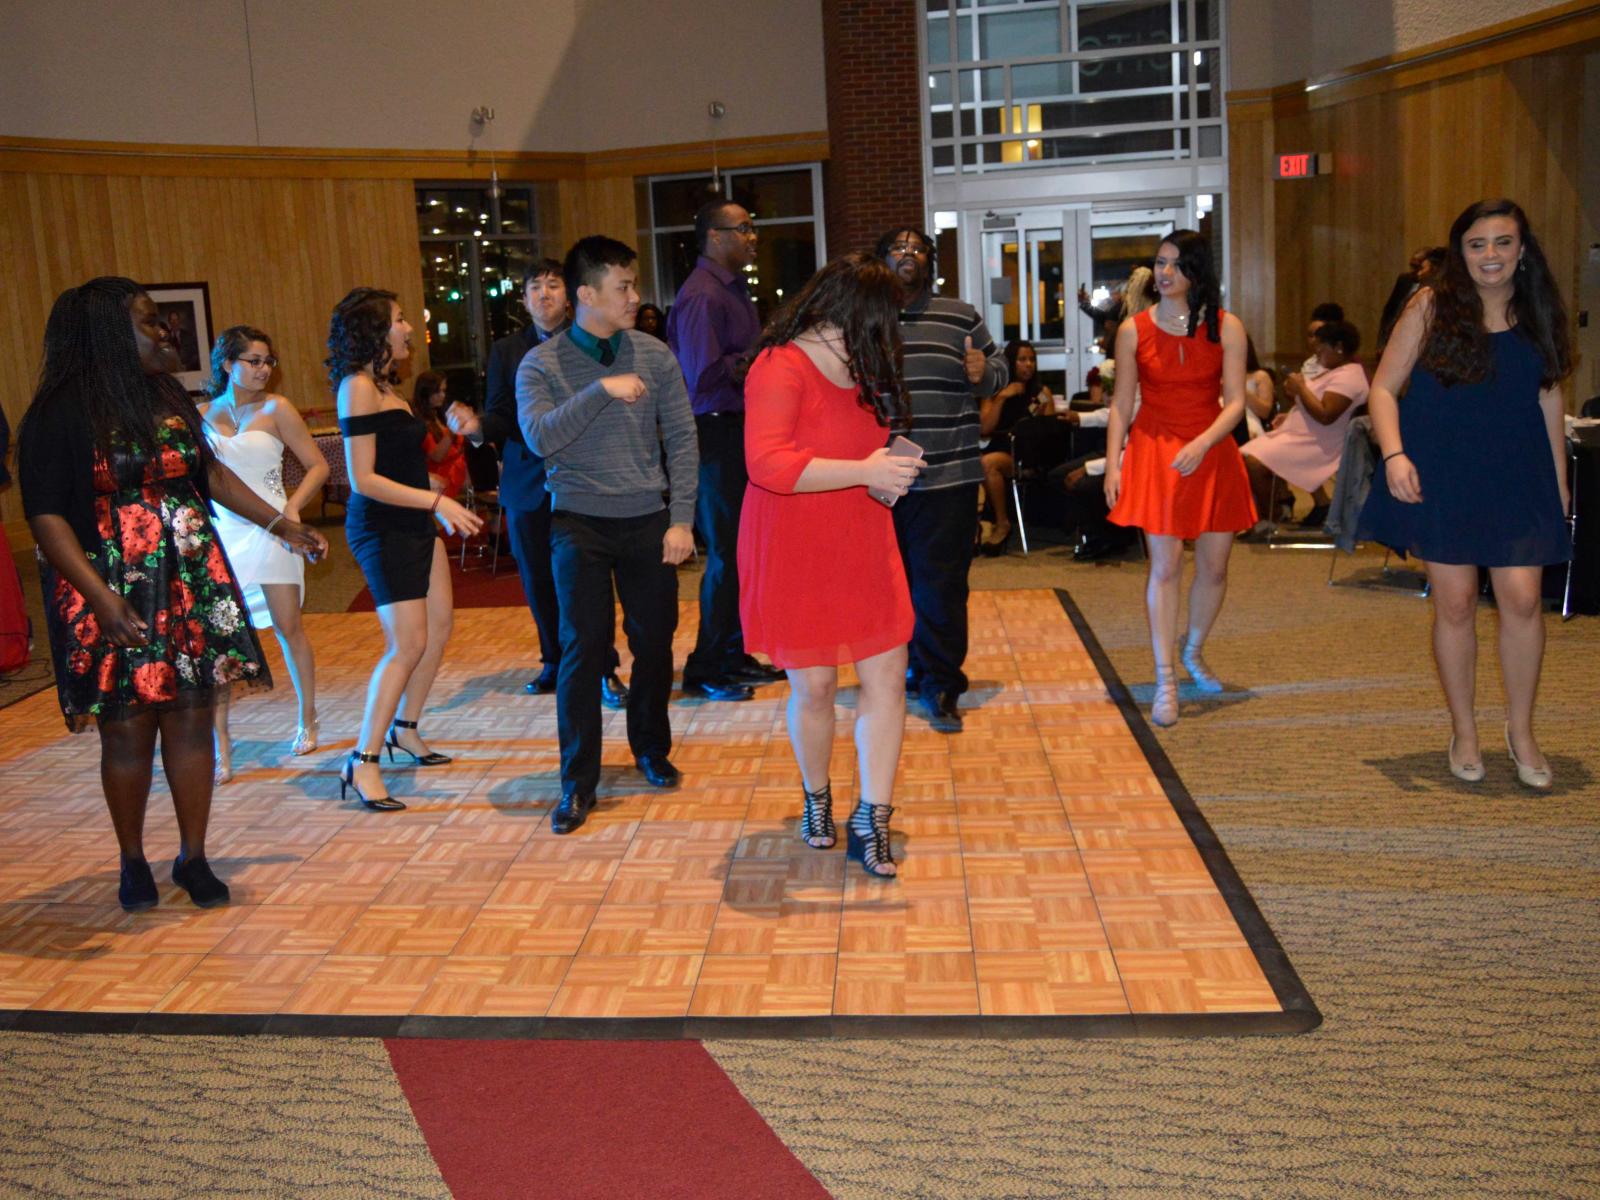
<point x="713" y="329"/>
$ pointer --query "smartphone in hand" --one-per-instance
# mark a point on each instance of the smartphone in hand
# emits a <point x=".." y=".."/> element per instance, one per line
<point x="901" y="447"/>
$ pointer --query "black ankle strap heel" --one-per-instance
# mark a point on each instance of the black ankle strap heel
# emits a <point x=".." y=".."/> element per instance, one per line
<point x="816" y="822"/>
<point x="868" y="840"/>
<point x="347" y="780"/>
<point x="392" y="741"/>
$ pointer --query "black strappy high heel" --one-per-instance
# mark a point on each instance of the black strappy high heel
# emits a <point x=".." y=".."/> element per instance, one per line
<point x="867" y="840"/>
<point x="347" y="779"/>
<point x="816" y="822"/>
<point x="392" y="741"/>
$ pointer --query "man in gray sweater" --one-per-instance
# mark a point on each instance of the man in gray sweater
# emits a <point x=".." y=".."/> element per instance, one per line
<point x="598" y="403"/>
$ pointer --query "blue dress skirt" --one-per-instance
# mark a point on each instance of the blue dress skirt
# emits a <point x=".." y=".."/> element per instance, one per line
<point x="1482" y="453"/>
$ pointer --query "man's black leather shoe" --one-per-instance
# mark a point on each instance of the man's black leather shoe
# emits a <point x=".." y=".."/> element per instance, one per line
<point x="571" y="811"/>
<point x="943" y="714"/>
<point x="544" y="684"/>
<point x="718" y="689"/>
<point x="659" y="771"/>
<point x="613" y="692"/>
<point x="754" y="672"/>
<point x="1092" y="549"/>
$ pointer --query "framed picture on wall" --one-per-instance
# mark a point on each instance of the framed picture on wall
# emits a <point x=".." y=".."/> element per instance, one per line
<point x="186" y="308"/>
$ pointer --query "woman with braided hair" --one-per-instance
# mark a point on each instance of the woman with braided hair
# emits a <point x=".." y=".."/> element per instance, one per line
<point x="145" y="618"/>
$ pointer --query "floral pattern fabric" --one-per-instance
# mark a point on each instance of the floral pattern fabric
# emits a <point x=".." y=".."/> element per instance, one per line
<point x="157" y="550"/>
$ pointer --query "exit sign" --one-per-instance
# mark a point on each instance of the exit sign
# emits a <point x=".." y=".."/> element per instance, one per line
<point x="1295" y="166"/>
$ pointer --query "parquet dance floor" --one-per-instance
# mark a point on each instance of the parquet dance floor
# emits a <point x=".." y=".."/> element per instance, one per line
<point x="1048" y="881"/>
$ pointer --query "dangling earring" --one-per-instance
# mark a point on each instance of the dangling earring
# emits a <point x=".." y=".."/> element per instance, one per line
<point x="1522" y="262"/>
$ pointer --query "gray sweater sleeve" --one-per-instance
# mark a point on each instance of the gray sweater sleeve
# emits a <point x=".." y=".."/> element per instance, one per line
<point x="676" y="420"/>
<point x="548" y="425"/>
<point x="995" y="372"/>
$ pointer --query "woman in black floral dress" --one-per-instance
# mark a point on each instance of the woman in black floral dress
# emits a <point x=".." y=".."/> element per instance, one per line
<point x="144" y="616"/>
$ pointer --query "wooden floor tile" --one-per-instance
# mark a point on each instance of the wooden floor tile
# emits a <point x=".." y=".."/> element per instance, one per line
<point x="1043" y="870"/>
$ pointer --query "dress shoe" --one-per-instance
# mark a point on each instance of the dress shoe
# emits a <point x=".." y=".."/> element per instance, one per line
<point x="943" y="714"/>
<point x="718" y="689"/>
<point x="1092" y="549"/>
<point x="1316" y="518"/>
<point x="544" y="684"/>
<point x="571" y="811"/>
<point x="613" y="692"/>
<point x="1538" y="778"/>
<point x="754" y="672"/>
<point x="659" y="771"/>
<point x="194" y="875"/>
<point x="137" y="890"/>
<point x="1467" y="772"/>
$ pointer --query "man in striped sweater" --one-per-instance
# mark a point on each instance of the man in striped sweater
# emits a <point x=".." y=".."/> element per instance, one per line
<point x="951" y="363"/>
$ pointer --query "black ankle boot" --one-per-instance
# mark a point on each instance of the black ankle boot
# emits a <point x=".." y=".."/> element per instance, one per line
<point x="137" y="891"/>
<point x="194" y="875"/>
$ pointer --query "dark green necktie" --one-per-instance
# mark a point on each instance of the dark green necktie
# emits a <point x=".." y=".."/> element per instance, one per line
<point x="607" y="354"/>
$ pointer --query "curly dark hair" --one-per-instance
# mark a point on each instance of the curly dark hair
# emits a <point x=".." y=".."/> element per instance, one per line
<point x="91" y="360"/>
<point x="858" y="295"/>
<point x="1456" y="346"/>
<point x="231" y="343"/>
<point x="1034" y="386"/>
<point x="358" y="336"/>
<point x="1200" y="269"/>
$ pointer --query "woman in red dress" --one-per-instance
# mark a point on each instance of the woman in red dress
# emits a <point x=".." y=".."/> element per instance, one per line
<point x="820" y="577"/>
<point x="1181" y="476"/>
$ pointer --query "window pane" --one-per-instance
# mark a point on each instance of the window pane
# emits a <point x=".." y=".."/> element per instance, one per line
<point x="451" y="210"/>
<point x="1092" y="114"/>
<point x="1042" y="80"/>
<point x="1207" y="20"/>
<point x="988" y="84"/>
<point x="503" y="263"/>
<point x="786" y="256"/>
<point x="774" y="193"/>
<point x="446" y="282"/>
<point x="675" y="258"/>
<point x="1210" y="141"/>
<point x="1128" y="73"/>
<point x="1124" y="23"/>
<point x="1203" y="66"/>
<point x="1021" y="34"/>
<point x="516" y="210"/>
<point x="1152" y="143"/>
<point x="938" y="87"/>
<point x="677" y="200"/>
<point x="938" y="38"/>
<point x="965" y="50"/>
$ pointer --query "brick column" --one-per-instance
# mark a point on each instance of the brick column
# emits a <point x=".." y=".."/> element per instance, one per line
<point x="873" y="178"/>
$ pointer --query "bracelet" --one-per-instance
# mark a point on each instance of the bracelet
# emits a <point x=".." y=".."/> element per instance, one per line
<point x="273" y="522"/>
<point x="434" y="507"/>
<point x="1396" y="454"/>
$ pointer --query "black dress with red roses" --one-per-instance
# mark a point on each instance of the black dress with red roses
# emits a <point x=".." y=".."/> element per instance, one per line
<point x="157" y="550"/>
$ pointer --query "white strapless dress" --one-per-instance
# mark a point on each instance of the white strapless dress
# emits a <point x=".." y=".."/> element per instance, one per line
<point x="256" y="457"/>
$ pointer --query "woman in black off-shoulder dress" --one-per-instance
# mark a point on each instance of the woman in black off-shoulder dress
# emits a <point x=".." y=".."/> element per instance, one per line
<point x="390" y="526"/>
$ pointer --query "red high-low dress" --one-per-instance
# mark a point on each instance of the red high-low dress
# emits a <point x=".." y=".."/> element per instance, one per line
<point x="820" y="577"/>
<point x="1180" y="380"/>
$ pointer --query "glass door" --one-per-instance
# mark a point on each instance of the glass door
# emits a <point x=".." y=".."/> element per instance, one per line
<point x="1033" y="262"/>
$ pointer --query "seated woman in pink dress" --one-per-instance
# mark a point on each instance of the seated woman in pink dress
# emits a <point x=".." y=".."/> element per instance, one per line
<point x="1303" y="446"/>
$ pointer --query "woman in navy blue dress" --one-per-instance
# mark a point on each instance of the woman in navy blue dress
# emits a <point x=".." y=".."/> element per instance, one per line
<point x="1474" y="462"/>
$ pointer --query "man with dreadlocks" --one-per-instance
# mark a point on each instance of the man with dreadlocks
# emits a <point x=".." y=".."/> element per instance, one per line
<point x="145" y="618"/>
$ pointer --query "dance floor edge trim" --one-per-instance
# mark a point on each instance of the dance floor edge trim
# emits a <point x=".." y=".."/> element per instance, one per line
<point x="1299" y="1011"/>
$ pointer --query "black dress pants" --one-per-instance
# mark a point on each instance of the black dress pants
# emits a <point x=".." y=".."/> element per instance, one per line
<point x="587" y="553"/>
<point x="529" y="531"/>
<point x="719" y="647"/>
<point x="935" y="529"/>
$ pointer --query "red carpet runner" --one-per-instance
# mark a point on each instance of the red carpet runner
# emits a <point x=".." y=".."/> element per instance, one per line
<point x="567" y="1120"/>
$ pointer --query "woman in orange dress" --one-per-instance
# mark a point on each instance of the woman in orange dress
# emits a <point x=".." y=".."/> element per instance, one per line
<point x="821" y="582"/>
<point x="1181" y="476"/>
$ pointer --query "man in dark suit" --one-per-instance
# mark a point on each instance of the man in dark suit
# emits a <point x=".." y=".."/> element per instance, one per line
<point x="522" y="475"/>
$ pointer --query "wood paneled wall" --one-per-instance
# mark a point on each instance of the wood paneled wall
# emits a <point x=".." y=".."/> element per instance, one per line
<point x="1408" y="155"/>
<point x="277" y="253"/>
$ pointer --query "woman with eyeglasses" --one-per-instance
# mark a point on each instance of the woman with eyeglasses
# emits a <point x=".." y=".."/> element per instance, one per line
<point x="249" y="428"/>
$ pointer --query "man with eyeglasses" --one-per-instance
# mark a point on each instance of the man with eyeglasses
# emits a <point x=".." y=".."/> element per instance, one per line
<point x="951" y="362"/>
<point x="713" y="329"/>
<point x="523" y="497"/>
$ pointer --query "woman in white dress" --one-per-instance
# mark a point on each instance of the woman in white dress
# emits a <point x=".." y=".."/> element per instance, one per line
<point x="249" y="429"/>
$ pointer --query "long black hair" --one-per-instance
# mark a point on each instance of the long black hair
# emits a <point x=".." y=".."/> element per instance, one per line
<point x="1032" y="388"/>
<point x="1456" y="347"/>
<point x="231" y="342"/>
<point x="358" y="336"/>
<point x="1200" y="269"/>
<point x="92" y="360"/>
<point x="860" y="296"/>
